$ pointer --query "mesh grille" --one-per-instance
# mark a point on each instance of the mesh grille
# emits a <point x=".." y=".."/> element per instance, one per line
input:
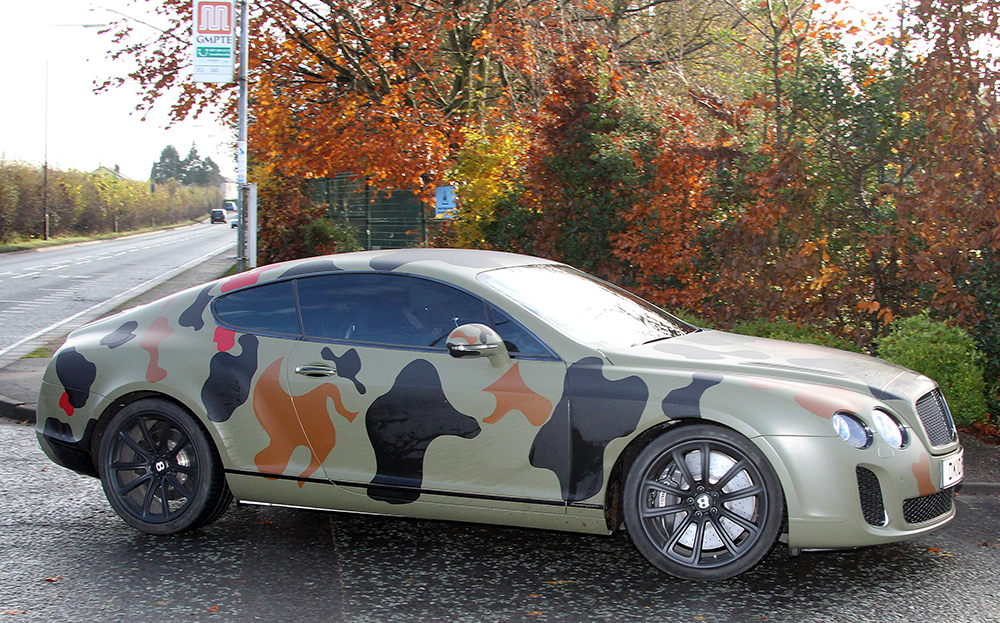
<point x="871" y="497"/>
<point x="934" y="415"/>
<point x="919" y="510"/>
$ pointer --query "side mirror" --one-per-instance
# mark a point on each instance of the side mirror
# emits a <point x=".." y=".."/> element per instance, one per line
<point x="478" y="340"/>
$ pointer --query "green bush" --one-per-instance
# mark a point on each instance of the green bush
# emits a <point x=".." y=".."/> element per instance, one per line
<point x="946" y="354"/>
<point x="323" y="236"/>
<point x="792" y="332"/>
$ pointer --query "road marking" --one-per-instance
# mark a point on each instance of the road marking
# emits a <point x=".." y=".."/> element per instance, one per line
<point x="15" y="351"/>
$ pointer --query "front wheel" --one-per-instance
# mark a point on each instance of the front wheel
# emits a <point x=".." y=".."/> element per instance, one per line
<point x="702" y="503"/>
<point x="159" y="469"/>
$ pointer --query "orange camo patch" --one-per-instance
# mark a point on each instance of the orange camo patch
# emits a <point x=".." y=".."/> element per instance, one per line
<point x="823" y="401"/>
<point x="826" y="401"/>
<point x="764" y="384"/>
<point x="512" y="393"/>
<point x="922" y="472"/>
<point x="275" y="411"/>
<point x="152" y="337"/>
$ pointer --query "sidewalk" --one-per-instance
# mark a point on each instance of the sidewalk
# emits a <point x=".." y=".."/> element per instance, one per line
<point x="19" y="383"/>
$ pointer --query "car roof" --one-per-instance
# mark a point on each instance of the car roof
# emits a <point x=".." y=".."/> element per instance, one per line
<point x="442" y="263"/>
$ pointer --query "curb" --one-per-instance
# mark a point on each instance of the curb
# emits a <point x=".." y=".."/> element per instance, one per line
<point x="979" y="488"/>
<point x="17" y="411"/>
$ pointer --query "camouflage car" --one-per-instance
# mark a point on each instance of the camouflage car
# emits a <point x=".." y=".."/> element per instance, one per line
<point x="495" y="388"/>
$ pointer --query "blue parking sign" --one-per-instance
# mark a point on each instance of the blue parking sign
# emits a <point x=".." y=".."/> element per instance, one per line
<point x="444" y="202"/>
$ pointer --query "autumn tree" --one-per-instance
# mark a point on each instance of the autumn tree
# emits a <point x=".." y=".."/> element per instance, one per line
<point x="589" y="161"/>
<point x="950" y="218"/>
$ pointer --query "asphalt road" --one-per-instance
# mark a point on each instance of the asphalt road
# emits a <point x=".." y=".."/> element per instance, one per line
<point x="55" y="290"/>
<point x="65" y="556"/>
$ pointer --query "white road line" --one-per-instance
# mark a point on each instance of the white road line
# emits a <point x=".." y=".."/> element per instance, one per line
<point x="98" y="309"/>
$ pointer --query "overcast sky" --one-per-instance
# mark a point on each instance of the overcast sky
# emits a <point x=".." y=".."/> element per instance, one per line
<point x="86" y="130"/>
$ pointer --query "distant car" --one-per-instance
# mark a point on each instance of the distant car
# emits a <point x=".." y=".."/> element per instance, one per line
<point x="218" y="215"/>
<point x="495" y="388"/>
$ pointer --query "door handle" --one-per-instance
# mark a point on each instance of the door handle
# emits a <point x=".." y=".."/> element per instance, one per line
<point x="316" y="371"/>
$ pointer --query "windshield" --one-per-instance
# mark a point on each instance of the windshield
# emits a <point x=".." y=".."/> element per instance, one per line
<point x="586" y="309"/>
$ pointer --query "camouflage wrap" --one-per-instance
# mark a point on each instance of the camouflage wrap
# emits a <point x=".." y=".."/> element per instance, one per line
<point x="346" y="424"/>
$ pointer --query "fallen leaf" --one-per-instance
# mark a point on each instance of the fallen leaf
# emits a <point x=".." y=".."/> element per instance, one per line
<point x="933" y="550"/>
<point x="213" y="608"/>
<point x="14" y="612"/>
<point x="534" y="613"/>
<point x="563" y="582"/>
<point x="54" y="578"/>
<point x="700" y="619"/>
<point x="161" y="603"/>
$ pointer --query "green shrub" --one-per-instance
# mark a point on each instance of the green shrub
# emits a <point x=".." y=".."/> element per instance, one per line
<point x="323" y="236"/>
<point x="690" y="318"/>
<point x="946" y="354"/>
<point x="792" y="332"/>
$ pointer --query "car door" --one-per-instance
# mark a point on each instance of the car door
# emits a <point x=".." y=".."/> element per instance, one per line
<point x="409" y="420"/>
<point x="258" y="330"/>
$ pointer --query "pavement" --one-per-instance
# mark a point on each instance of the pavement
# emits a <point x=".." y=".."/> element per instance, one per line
<point x="20" y="381"/>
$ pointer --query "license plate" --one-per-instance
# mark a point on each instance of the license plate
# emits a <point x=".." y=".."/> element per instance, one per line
<point x="952" y="470"/>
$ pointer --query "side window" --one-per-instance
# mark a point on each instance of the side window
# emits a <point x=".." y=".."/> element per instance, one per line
<point x="519" y="340"/>
<point x="394" y="310"/>
<point x="269" y="308"/>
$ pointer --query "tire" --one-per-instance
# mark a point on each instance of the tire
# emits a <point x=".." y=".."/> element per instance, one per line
<point x="701" y="528"/>
<point x="159" y="469"/>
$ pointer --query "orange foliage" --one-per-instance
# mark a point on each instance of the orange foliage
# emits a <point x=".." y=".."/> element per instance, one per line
<point x="660" y="241"/>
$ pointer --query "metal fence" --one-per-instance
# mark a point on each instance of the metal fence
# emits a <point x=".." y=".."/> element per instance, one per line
<point x="383" y="220"/>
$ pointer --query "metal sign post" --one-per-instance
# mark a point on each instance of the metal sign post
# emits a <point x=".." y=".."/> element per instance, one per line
<point x="214" y="45"/>
<point x="241" y="141"/>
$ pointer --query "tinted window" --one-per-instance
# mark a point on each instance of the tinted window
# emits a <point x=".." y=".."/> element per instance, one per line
<point x="385" y="309"/>
<point x="268" y="308"/>
<point x="519" y="340"/>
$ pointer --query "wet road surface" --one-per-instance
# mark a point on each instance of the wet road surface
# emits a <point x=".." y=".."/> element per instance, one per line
<point x="65" y="556"/>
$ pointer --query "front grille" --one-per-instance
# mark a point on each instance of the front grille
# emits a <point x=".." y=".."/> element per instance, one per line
<point x="872" y="505"/>
<point x="928" y="507"/>
<point x="934" y="415"/>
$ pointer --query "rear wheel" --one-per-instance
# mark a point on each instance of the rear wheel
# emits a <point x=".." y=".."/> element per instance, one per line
<point x="703" y="503"/>
<point x="159" y="469"/>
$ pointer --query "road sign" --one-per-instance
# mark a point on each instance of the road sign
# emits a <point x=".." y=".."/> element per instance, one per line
<point x="445" y="202"/>
<point x="214" y="40"/>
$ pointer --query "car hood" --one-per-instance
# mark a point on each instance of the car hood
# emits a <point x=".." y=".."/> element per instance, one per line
<point x="729" y="353"/>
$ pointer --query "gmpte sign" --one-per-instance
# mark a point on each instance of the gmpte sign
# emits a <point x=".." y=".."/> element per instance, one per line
<point x="214" y="36"/>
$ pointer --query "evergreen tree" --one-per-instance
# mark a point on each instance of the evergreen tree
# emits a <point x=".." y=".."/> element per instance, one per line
<point x="167" y="167"/>
<point x="191" y="171"/>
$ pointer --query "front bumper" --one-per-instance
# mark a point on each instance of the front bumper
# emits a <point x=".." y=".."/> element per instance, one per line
<point x="840" y="497"/>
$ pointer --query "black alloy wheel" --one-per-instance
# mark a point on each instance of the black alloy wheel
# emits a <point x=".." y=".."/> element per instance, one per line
<point x="159" y="469"/>
<point x="702" y="503"/>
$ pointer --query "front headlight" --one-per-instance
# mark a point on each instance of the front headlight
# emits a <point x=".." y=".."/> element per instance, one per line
<point x="889" y="428"/>
<point x="852" y="430"/>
